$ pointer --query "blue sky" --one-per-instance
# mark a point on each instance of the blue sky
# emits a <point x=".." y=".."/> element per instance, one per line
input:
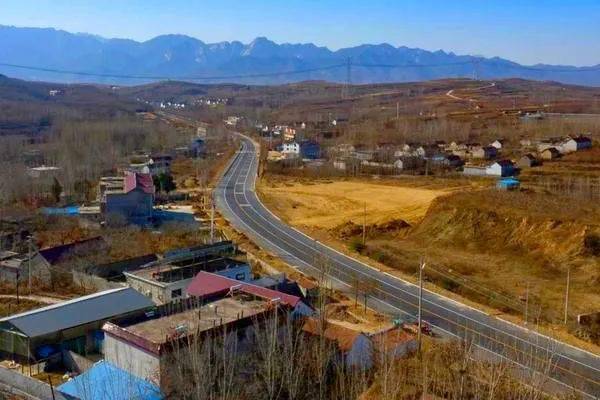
<point x="548" y="31"/>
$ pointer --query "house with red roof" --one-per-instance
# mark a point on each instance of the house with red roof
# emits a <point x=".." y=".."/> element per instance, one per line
<point x="208" y="286"/>
<point x="127" y="199"/>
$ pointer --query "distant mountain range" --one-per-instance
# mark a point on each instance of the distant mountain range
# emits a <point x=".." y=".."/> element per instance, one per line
<point x="179" y="57"/>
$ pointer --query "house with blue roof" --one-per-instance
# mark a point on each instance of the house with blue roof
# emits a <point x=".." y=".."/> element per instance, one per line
<point x="106" y="381"/>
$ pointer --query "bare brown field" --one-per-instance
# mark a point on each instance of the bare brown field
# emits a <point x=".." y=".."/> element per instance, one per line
<point x="327" y="204"/>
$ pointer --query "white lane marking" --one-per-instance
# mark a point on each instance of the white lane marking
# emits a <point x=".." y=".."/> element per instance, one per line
<point x="343" y="272"/>
<point x="396" y="308"/>
<point x="432" y="294"/>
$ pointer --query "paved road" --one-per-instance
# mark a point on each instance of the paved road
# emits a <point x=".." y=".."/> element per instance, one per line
<point x="558" y="366"/>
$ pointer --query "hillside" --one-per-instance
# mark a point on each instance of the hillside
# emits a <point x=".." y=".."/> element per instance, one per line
<point x="476" y="240"/>
<point x="172" y="56"/>
<point x="31" y="108"/>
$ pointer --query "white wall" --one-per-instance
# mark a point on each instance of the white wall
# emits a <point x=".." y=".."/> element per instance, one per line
<point x="132" y="359"/>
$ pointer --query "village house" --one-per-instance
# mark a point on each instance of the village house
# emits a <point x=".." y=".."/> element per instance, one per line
<point x="208" y="286"/>
<point x="363" y="155"/>
<point x="154" y="165"/>
<point x="341" y="150"/>
<point x="168" y="279"/>
<point x="165" y="281"/>
<point x="129" y="198"/>
<point x="232" y="120"/>
<point x="501" y="168"/>
<point x="73" y="325"/>
<point x="18" y="267"/>
<point x="143" y="346"/>
<point x="485" y="152"/>
<point x="577" y="143"/>
<point x="550" y="153"/>
<point x="339" y="121"/>
<point x="354" y="347"/>
<point x="310" y="150"/>
<point x="290" y="150"/>
<point x="498" y="144"/>
<point x="289" y="133"/>
<point x="359" y="349"/>
<point x="555" y="142"/>
<point x="392" y="343"/>
<point x="526" y="142"/>
<point x="528" y="161"/>
<point x="107" y="381"/>
<point x="474" y="170"/>
<point x="454" y="145"/>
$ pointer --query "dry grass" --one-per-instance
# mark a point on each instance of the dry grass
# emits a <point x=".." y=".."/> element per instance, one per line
<point x="499" y="241"/>
<point x="327" y="204"/>
<point x="11" y="306"/>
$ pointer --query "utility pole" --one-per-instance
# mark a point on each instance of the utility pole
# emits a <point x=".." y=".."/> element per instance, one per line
<point x="567" y="294"/>
<point x="420" y="313"/>
<point x="29" y="242"/>
<point x="475" y="69"/>
<point x="347" y="83"/>
<point x="17" y="283"/>
<point x="526" y="302"/>
<point x="364" y="235"/>
<point x="212" y="220"/>
<point x="398" y="116"/>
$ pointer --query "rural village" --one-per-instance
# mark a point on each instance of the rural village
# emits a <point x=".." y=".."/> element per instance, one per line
<point x="130" y="282"/>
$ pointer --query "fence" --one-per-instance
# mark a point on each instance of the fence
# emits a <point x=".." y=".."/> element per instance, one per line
<point x="25" y="386"/>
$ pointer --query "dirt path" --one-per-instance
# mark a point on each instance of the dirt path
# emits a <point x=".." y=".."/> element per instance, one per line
<point x="33" y="297"/>
<point x="451" y="94"/>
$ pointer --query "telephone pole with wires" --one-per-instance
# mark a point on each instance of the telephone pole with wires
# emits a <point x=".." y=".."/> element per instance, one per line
<point x="420" y="312"/>
<point x="476" y="62"/>
<point x="348" y="82"/>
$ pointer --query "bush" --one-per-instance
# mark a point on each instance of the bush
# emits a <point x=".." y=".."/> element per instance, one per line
<point x="357" y="245"/>
<point x="591" y="242"/>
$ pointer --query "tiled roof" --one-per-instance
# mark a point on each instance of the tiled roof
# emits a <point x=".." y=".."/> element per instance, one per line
<point x="343" y="337"/>
<point x="391" y="338"/>
<point x="206" y="284"/>
<point x="134" y="180"/>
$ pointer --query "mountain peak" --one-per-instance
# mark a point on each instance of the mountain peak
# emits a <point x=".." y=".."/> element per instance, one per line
<point x="179" y="56"/>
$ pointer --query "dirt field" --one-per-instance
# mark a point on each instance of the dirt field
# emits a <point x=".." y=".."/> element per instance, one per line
<point x="327" y="204"/>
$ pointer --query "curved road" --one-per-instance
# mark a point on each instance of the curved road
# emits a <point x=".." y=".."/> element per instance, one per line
<point x="536" y="358"/>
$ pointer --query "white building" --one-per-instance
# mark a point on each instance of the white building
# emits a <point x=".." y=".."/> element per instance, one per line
<point x="291" y="149"/>
<point x="576" y="144"/>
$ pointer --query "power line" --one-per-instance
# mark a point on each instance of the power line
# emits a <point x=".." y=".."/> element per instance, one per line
<point x="164" y="77"/>
<point x="475" y="61"/>
<point x="481" y="61"/>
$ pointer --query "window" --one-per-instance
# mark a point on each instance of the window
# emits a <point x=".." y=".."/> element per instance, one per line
<point x="175" y="293"/>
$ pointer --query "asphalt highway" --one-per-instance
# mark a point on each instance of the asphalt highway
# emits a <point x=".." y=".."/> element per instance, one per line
<point x="540" y="360"/>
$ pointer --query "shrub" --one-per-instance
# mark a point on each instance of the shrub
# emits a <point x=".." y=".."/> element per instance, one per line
<point x="357" y="245"/>
<point x="591" y="242"/>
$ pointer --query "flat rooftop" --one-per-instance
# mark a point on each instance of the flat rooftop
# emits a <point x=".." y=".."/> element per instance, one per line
<point x="158" y="331"/>
<point x="176" y="271"/>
